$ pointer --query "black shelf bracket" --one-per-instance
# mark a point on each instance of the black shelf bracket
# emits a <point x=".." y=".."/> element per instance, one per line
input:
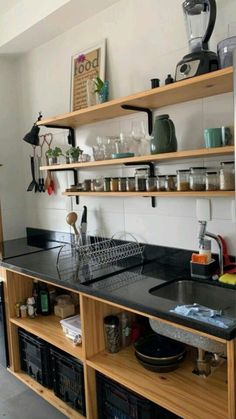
<point x="75" y="178"/>
<point x="71" y="141"/>
<point x="140" y="109"/>
<point x="71" y="135"/>
<point x="152" y="174"/>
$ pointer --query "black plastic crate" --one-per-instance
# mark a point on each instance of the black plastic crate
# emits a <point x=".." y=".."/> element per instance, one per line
<point x="117" y="402"/>
<point x="68" y="379"/>
<point x="35" y="358"/>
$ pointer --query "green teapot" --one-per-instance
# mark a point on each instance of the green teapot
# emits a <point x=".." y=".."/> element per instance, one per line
<point x="163" y="136"/>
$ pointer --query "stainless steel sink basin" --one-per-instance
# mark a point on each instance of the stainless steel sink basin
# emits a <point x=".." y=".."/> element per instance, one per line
<point x="189" y="292"/>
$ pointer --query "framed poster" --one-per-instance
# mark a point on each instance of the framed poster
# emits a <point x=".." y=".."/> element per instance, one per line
<point x="86" y="64"/>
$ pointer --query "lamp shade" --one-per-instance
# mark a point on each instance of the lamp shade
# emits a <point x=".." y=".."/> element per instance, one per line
<point x="32" y="137"/>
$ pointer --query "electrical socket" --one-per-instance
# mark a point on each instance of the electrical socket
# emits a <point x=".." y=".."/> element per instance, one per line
<point x="203" y="209"/>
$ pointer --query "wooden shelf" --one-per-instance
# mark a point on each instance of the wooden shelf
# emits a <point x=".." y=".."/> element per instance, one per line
<point x="157" y="158"/>
<point x="189" y="194"/>
<point x="180" y="391"/>
<point x="209" y="84"/>
<point x="48" y="395"/>
<point x="49" y="329"/>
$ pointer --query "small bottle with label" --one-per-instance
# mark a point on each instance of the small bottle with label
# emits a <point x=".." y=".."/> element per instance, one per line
<point x="205" y="249"/>
<point x="31" y="307"/>
<point x="44" y="300"/>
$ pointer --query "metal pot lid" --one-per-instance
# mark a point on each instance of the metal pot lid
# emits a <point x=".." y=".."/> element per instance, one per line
<point x="156" y="347"/>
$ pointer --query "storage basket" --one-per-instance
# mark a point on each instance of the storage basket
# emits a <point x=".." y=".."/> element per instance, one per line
<point x="35" y="358"/>
<point x="117" y="402"/>
<point x="68" y="379"/>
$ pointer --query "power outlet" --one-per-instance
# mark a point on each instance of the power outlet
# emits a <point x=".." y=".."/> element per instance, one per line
<point x="203" y="209"/>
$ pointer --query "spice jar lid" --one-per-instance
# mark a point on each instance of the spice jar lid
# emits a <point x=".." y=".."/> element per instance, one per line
<point x="227" y="162"/>
<point x="161" y="176"/>
<point x="211" y="173"/>
<point x="131" y="178"/>
<point x="183" y="171"/>
<point x="167" y="176"/>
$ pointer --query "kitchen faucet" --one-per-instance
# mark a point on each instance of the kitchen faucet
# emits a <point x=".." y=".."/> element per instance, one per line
<point x="204" y="233"/>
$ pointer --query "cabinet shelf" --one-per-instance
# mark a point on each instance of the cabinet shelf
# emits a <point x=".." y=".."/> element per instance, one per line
<point x="49" y="329"/>
<point x="206" y="85"/>
<point x="47" y="395"/>
<point x="156" y="158"/>
<point x="206" y="400"/>
<point x="188" y="194"/>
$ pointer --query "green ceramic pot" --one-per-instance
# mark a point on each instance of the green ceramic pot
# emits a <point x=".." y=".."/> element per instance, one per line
<point x="163" y="136"/>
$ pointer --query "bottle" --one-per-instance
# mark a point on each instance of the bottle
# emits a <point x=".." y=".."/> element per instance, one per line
<point x="35" y="294"/>
<point x="125" y="327"/>
<point x="205" y="249"/>
<point x="169" y="79"/>
<point x="31" y="307"/>
<point x="44" y="300"/>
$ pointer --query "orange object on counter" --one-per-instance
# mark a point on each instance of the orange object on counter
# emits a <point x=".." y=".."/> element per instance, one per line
<point x="196" y="258"/>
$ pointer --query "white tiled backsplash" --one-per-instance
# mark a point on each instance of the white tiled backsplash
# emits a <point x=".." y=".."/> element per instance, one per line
<point x="144" y="40"/>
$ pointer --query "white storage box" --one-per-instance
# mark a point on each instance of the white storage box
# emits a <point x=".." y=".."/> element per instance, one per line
<point x="72" y="328"/>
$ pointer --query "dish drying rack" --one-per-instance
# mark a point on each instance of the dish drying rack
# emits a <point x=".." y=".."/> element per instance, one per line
<point x="99" y="253"/>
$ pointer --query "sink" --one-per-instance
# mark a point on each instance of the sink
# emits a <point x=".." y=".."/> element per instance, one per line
<point x="189" y="292"/>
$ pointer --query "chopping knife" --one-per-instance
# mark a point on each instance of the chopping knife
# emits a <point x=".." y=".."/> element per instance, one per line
<point x="83" y="226"/>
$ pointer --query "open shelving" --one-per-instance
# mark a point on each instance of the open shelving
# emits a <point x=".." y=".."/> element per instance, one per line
<point x="49" y="329"/>
<point x="153" y="158"/>
<point x="188" y="194"/>
<point x="171" y="390"/>
<point x="206" y="85"/>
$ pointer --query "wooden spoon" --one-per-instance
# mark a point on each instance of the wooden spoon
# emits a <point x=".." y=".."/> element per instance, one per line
<point x="71" y="220"/>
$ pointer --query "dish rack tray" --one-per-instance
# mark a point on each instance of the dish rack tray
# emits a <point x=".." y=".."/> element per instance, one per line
<point x="102" y="252"/>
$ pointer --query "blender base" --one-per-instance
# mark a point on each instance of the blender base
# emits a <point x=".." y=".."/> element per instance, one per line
<point x="195" y="64"/>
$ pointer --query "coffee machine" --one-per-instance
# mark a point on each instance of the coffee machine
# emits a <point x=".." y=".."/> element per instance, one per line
<point x="200" y="18"/>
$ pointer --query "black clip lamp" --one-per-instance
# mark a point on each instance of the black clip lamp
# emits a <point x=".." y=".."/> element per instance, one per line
<point x="32" y="137"/>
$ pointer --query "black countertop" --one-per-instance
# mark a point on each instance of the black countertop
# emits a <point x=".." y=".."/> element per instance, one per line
<point x="128" y="288"/>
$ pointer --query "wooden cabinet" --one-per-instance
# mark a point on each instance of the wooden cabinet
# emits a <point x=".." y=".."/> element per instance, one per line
<point x="202" y="86"/>
<point x="180" y="391"/>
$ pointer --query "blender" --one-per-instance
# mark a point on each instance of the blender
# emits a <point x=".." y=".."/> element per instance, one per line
<point x="200" y="18"/>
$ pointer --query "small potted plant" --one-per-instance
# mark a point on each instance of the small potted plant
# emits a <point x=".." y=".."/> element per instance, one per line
<point x="102" y="89"/>
<point x="53" y="154"/>
<point x="73" y="154"/>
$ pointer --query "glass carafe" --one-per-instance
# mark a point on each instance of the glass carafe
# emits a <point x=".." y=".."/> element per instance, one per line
<point x="197" y="15"/>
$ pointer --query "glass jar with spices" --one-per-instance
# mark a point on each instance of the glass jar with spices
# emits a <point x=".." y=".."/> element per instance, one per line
<point x="212" y="181"/>
<point x="151" y="184"/>
<point x="161" y="183"/>
<point x="197" y="178"/>
<point x="114" y="184"/>
<point x="130" y="184"/>
<point x="122" y="184"/>
<point x="23" y="311"/>
<point x="140" y="179"/>
<point x="87" y="185"/>
<point x="227" y="179"/>
<point x="99" y="185"/>
<point x="170" y="183"/>
<point x="106" y="184"/>
<point x="183" y="180"/>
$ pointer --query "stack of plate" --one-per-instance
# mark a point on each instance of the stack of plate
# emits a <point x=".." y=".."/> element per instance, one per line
<point x="158" y="353"/>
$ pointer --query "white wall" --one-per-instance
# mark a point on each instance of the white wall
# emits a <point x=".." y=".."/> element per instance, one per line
<point x="11" y="179"/>
<point x="144" y="40"/>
